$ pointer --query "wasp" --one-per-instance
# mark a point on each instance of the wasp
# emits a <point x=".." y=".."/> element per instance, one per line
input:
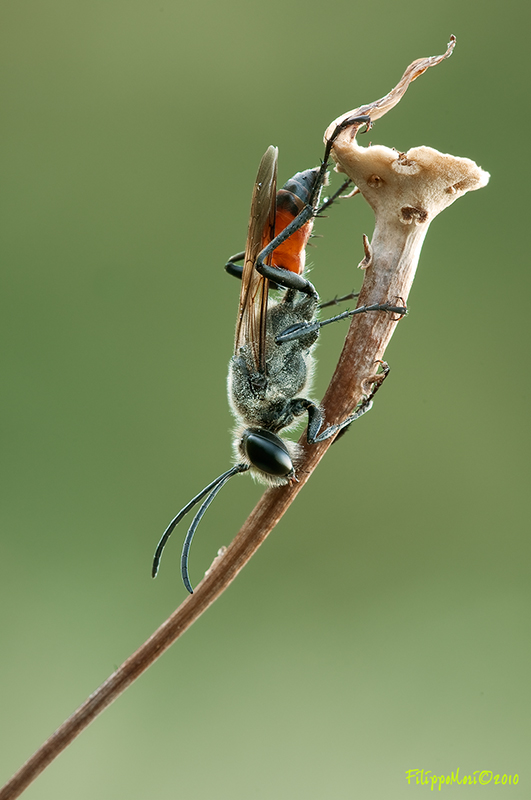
<point x="271" y="370"/>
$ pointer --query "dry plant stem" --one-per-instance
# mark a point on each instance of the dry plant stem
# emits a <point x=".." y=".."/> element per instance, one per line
<point x="261" y="521"/>
<point x="384" y="177"/>
<point x="365" y="344"/>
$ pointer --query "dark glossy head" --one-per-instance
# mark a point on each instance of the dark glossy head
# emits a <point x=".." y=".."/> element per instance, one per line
<point x="267" y="452"/>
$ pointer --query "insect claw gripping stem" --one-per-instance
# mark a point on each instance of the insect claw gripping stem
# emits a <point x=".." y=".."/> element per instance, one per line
<point x="367" y="402"/>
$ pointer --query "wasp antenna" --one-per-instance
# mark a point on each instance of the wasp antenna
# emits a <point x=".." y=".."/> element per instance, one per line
<point x="219" y="484"/>
<point x="188" y="507"/>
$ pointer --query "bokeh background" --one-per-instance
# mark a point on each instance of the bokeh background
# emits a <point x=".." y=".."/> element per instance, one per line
<point x="384" y="625"/>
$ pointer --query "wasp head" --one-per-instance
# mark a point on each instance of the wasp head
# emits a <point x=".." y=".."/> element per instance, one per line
<point x="270" y="458"/>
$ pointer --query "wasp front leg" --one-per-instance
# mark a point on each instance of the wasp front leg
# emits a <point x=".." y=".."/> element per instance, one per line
<point x="315" y="415"/>
<point x="236" y="270"/>
<point x="315" y="420"/>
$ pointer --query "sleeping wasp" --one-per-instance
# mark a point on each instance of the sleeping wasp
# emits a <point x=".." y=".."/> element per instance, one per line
<point x="271" y="369"/>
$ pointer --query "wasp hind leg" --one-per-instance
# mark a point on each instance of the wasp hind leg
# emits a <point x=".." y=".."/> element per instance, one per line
<point x="285" y="279"/>
<point x="236" y="270"/>
<point x="278" y="277"/>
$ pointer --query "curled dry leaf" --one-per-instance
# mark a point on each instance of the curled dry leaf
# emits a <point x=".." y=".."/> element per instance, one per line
<point x="380" y="107"/>
<point x="406" y="191"/>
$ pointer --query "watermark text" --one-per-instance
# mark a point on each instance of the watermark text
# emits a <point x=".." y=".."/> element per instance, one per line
<point x="425" y="777"/>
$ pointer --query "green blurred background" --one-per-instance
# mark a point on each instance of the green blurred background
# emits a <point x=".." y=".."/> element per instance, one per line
<point x="384" y="625"/>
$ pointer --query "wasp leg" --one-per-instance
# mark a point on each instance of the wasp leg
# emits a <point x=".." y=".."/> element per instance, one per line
<point x="376" y="383"/>
<point x="232" y="267"/>
<point x="303" y="328"/>
<point x="362" y="119"/>
<point x="237" y="271"/>
<point x="315" y="420"/>
<point x="337" y="300"/>
<point x="286" y="279"/>
<point x="330" y="200"/>
<point x="292" y="280"/>
<point x="315" y="415"/>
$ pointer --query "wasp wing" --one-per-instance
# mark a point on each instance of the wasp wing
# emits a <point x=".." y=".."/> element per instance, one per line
<point x="251" y="323"/>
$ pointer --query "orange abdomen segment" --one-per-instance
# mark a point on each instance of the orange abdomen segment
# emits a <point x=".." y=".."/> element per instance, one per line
<point x="291" y="254"/>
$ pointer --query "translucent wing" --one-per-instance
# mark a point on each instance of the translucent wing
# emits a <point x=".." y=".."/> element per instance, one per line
<point x="251" y="323"/>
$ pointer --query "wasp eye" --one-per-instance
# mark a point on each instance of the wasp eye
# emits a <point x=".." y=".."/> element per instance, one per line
<point x="267" y="452"/>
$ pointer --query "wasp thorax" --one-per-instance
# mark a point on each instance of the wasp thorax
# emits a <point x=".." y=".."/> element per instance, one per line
<point x="267" y="452"/>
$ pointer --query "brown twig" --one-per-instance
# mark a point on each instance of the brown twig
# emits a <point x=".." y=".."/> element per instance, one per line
<point x="384" y="177"/>
<point x="261" y="521"/>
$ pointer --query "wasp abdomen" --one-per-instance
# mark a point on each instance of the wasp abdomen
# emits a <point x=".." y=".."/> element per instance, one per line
<point x="301" y="185"/>
<point x="290" y="201"/>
